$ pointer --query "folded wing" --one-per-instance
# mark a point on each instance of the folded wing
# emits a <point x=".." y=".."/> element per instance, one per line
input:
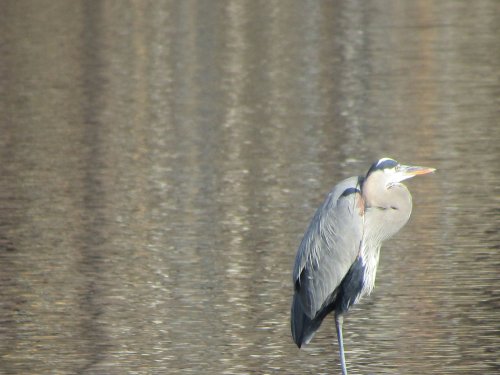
<point x="327" y="251"/>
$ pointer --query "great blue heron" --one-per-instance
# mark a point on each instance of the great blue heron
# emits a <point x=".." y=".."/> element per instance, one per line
<point x="337" y="259"/>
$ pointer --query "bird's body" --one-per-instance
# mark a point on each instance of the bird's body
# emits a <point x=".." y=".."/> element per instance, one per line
<point x="337" y="258"/>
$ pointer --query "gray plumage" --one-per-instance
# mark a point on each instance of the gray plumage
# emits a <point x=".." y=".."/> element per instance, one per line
<point x="337" y="258"/>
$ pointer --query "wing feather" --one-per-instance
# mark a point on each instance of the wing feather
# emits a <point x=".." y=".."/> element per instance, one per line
<point x="329" y="246"/>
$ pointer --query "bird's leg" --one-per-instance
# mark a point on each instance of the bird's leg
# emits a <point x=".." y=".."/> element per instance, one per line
<point x="338" y="325"/>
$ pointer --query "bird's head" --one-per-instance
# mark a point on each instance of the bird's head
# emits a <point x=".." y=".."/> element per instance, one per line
<point x="392" y="173"/>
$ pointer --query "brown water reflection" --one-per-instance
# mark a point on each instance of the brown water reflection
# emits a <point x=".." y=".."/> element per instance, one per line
<point x="160" y="161"/>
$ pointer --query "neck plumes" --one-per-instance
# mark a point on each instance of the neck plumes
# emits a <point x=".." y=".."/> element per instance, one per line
<point x="387" y="210"/>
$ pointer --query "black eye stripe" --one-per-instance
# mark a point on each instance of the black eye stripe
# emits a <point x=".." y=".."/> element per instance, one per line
<point x="384" y="164"/>
<point x="389" y="163"/>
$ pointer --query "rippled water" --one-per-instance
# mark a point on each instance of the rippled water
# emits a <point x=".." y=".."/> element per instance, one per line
<point x="160" y="161"/>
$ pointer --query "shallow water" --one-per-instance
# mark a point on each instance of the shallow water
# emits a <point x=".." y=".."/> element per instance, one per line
<point x="160" y="162"/>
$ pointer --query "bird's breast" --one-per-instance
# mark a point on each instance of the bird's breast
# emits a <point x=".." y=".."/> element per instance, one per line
<point x="369" y="257"/>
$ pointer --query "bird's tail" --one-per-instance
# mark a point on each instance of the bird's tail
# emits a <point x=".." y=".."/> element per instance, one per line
<point x="303" y="328"/>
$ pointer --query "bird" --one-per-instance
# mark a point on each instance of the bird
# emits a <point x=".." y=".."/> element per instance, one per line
<point x="337" y="259"/>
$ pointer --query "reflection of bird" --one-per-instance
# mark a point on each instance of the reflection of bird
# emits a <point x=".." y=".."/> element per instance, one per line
<point x="337" y="259"/>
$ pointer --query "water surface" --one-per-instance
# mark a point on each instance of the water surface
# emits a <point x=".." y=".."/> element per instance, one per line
<point x="159" y="163"/>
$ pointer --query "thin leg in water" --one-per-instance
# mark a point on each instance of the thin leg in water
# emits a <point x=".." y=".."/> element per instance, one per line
<point x="338" y="324"/>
